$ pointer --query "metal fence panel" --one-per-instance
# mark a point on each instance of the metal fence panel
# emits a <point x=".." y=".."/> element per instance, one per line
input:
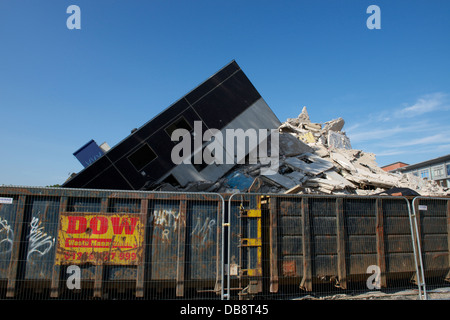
<point x="433" y="226"/>
<point x="321" y="245"/>
<point x="58" y="243"/>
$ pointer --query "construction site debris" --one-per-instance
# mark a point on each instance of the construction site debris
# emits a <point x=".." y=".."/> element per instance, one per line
<point x="292" y="146"/>
<point x="318" y="158"/>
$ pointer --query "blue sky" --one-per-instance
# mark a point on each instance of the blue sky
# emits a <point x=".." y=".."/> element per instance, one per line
<point x="130" y="60"/>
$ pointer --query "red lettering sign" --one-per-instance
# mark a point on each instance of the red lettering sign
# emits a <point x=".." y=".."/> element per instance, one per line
<point x="99" y="225"/>
<point x="129" y="224"/>
<point x="77" y="225"/>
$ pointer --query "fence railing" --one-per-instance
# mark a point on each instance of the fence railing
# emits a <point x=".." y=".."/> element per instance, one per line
<point x="432" y="216"/>
<point x="321" y="245"/>
<point x="79" y="244"/>
<point x="83" y="244"/>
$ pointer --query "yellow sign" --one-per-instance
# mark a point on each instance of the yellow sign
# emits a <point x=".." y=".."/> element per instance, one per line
<point x="100" y="239"/>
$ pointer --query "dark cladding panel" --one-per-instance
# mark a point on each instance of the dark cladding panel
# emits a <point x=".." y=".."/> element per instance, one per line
<point x="142" y="157"/>
<point x="82" y="179"/>
<point x="140" y="165"/>
<point x="109" y="179"/>
<point x="196" y="94"/>
<point x="124" y="147"/>
<point x="156" y="170"/>
<point x="163" y="119"/>
<point x="142" y="134"/>
<point x="134" y="177"/>
<point x="151" y="171"/>
<point x="180" y="123"/>
<point x="162" y="145"/>
<point x="161" y="141"/>
<point x="227" y="101"/>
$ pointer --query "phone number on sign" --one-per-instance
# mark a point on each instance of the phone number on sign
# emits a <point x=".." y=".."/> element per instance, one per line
<point x="106" y="256"/>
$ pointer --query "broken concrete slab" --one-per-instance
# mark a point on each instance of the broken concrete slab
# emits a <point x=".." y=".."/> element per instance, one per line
<point x="361" y="160"/>
<point x="334" y="125"/>
<point x="366" y="178"/>
<point x="315" y="127"/>
<point x="293" y="121"/>
<point x="309" y="164"/>
<point x="320" y="150"/>
<point x="294" y="190"/>
<point x="334" y="176"/>
<point x="323" y="183"/>
<point x="279" y="180"/>
<point x="338" y="140"/>
<point x="287" y="127"/>
<point x="291" y="146"/>
<point x="363" y="192"/>
<point x="342" y="161"/>
<point x="297" y="176"/>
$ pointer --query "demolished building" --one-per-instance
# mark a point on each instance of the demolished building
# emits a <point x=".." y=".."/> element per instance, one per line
<point x="317" y="158"/>
<point x="143" y="160"/>
<point x="314" y="158"/>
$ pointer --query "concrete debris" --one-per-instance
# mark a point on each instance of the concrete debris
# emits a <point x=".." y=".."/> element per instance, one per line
<point x="304" y="117"/>
<point x="309" y="164"/>
<point x="294" y="190"/>
<point x="279" y="180"/>
<point x="334" y="125"/>
<point x="338" y="140"/>
<point x="317" y="158"/>
<point x="292" y="146"/>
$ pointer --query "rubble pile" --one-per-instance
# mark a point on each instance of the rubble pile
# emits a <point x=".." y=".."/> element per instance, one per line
<point x="316" y="158"/>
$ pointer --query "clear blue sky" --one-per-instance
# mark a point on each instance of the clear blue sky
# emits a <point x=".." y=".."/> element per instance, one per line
<point x="59" y="88"/>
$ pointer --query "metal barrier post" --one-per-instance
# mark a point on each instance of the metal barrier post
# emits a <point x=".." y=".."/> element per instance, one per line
<point x="432" y="227"/>
<point x="415" y="238"/>
<point x="228" y="244"/>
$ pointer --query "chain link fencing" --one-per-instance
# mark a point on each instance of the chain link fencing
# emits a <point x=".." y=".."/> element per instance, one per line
<point x="78" y="244"/>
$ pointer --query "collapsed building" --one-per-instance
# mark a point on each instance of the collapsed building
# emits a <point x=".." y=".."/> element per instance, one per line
<point x="314" y="158"/>
<point x="318" y="158"/>
<point x="142" y="161"/>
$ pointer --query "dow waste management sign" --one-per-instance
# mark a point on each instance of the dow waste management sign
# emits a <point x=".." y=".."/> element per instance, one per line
<point x="100" y="239"/>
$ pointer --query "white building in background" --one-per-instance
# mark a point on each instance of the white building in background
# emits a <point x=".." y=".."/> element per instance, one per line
<point x="437" y="169"/>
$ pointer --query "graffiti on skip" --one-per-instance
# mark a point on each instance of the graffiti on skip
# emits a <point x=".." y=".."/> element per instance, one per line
<point x="167" y="220"/>
<point x="39" y="241"/>
<point x="6" y="236"/>
<point x="203" y="229"/>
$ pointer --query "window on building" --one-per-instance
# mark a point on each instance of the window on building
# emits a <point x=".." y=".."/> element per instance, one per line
<point x="424" y="174"/>
<point x="448" y="170"/>
<point x="180" y="123"/>
<point x="438" y="172"/>
<point x="142" y="157"/>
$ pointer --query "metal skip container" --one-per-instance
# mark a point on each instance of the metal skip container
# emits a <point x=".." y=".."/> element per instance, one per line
<point x="83" y="244"/>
